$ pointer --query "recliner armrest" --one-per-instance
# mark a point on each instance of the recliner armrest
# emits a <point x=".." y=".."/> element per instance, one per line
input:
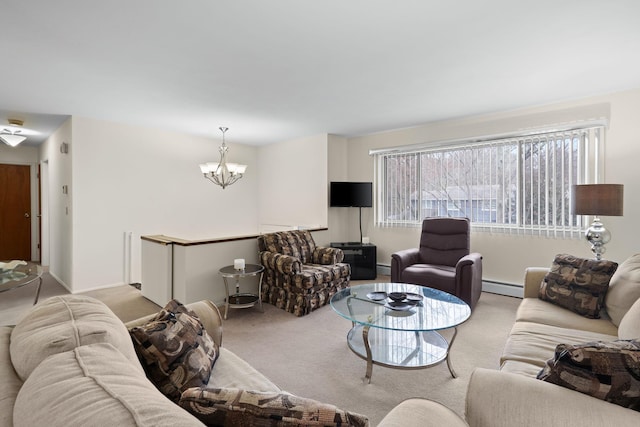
<point x="284" y="264"/>
<point x="469" y="278"/>
<point x="472" y="258"/>
<point x="401" y="260"/>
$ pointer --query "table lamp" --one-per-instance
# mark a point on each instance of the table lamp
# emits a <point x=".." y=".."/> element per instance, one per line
<point x="598" y="200"/>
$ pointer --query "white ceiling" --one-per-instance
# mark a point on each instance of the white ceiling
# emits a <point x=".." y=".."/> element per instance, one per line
<point x="282" y="69"/>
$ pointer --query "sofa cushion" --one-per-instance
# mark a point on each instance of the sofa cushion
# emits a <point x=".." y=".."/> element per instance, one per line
<point x="230" y="371"/>
<point x="535" y="343"/>
<point x="520" y="368"/>
<point x="536" y="310"/>
<point x="501" y="399"/>
<point x="63" y="323"/>
<point x="624" y="289"/>
<point x="606" y="370"/>
<point x="418" y="412"/>
<point x="11" y="383"/>
<point x="175" y="350"/>
<point x="93" y="385"/>
<point x="227" y="406"/>
<point x="578" y="284"/>
<point x="630" y="324"/>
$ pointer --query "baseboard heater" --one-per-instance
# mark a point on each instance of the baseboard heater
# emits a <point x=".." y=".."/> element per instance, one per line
<point x="501" y="288"/>
<point x="491" y="286"/>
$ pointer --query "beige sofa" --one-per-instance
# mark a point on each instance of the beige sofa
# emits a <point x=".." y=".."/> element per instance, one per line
<point x="513" y="396"/>
<point x="71" y="362"/>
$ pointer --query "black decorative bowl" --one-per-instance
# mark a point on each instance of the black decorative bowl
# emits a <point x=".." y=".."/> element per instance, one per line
<point x="397" y="296"/>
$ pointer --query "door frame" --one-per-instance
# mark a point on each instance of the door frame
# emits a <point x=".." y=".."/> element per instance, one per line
<point x="34" y="200"/>
<point x="44" y="213"/>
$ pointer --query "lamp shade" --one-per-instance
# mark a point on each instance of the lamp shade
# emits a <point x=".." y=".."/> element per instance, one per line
<point x="598" y="199"/>
<point x="11" y="139"/>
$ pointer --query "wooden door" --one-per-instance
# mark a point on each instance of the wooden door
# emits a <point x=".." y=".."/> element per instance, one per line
<point x="15" y="212"/>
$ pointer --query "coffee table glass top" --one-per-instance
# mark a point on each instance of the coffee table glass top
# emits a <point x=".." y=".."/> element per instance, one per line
<point x="18" y="274"/>
<point x="368" y="306"/>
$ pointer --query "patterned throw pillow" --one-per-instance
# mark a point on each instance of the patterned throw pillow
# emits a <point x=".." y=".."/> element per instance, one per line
<point x="578" y="284"/>
<point x="175" y="350"/>
<point x="609" y="371"/>
<point x="235" y="407"/>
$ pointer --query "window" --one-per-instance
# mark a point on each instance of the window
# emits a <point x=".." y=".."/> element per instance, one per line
<point x="516" y="184"/>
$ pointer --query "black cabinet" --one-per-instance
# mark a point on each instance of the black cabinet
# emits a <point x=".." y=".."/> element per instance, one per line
<point x="361" y="257"/>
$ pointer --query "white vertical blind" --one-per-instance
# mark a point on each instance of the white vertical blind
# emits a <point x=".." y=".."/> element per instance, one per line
<point x="515" y="184"/>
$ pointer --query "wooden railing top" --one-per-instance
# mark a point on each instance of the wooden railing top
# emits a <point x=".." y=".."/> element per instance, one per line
<point x="168" y="240"/>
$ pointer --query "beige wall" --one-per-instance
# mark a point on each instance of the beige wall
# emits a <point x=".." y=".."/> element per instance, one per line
<point x="505" y="256"/>
<point x="293" y="177"/>
<point x="128" y="179"/>
<point x="57" y="218"/>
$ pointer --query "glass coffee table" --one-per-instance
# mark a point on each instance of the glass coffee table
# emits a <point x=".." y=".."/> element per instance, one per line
<point x="15" y="274"/>
<point x="400" y="334"/>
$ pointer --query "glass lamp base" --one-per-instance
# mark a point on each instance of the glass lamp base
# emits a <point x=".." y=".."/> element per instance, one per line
<point x="597" y="236"/>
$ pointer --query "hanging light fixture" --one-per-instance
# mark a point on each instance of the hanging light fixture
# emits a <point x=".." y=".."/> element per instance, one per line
<point x="223" y="173"/>
<point x="12" y="136"/>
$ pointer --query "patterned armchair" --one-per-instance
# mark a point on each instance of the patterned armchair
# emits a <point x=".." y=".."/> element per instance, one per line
<point x="299" y="276"/>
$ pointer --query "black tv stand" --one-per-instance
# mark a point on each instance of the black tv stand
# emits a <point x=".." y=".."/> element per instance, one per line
<point x="361" y="257"/>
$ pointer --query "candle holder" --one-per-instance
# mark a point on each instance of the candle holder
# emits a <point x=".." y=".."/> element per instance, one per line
<point x="239" y="264"/>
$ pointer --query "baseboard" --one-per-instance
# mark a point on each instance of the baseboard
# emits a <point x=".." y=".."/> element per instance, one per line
<point x="62" y="283"/>
<point x="490" y="286"/>
<point x="384" y="270"/>
<point x="503" y="288"/>
<point x="97" y="288"/>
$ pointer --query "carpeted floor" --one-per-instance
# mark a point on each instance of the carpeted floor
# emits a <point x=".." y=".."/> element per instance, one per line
<point x="308" y="356"/>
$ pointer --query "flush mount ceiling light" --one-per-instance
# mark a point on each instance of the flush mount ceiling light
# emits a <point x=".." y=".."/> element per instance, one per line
<point x="223" y="173"/>
<point x="12" y="136"/>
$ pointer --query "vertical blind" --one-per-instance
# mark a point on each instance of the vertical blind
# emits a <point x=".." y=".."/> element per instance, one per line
<point x="517" y="184"/>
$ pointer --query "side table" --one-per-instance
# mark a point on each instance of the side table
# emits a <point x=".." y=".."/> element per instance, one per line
<point x="241" y="300"/>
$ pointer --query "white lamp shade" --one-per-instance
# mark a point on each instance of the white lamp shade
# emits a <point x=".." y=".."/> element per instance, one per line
<point x="11" y="139"/>
<point x="236" y="168"/>
<point x="208" y="167"/>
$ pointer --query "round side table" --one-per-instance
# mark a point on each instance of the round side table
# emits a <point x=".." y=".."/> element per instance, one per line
<point x="241" y="300"/>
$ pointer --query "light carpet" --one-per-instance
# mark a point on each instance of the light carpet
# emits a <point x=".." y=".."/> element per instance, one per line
<point x="309" y="356"/>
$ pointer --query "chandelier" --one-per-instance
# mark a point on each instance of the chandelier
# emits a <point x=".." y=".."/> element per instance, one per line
<point x="223" y="173"/>
<point x="11" y="136"/>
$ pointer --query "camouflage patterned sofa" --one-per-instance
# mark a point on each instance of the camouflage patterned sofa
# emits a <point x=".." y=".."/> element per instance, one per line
<point x="299" y="276"/>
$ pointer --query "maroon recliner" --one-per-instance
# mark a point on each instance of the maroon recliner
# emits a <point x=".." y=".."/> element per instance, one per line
<point x="442" y="261"/>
